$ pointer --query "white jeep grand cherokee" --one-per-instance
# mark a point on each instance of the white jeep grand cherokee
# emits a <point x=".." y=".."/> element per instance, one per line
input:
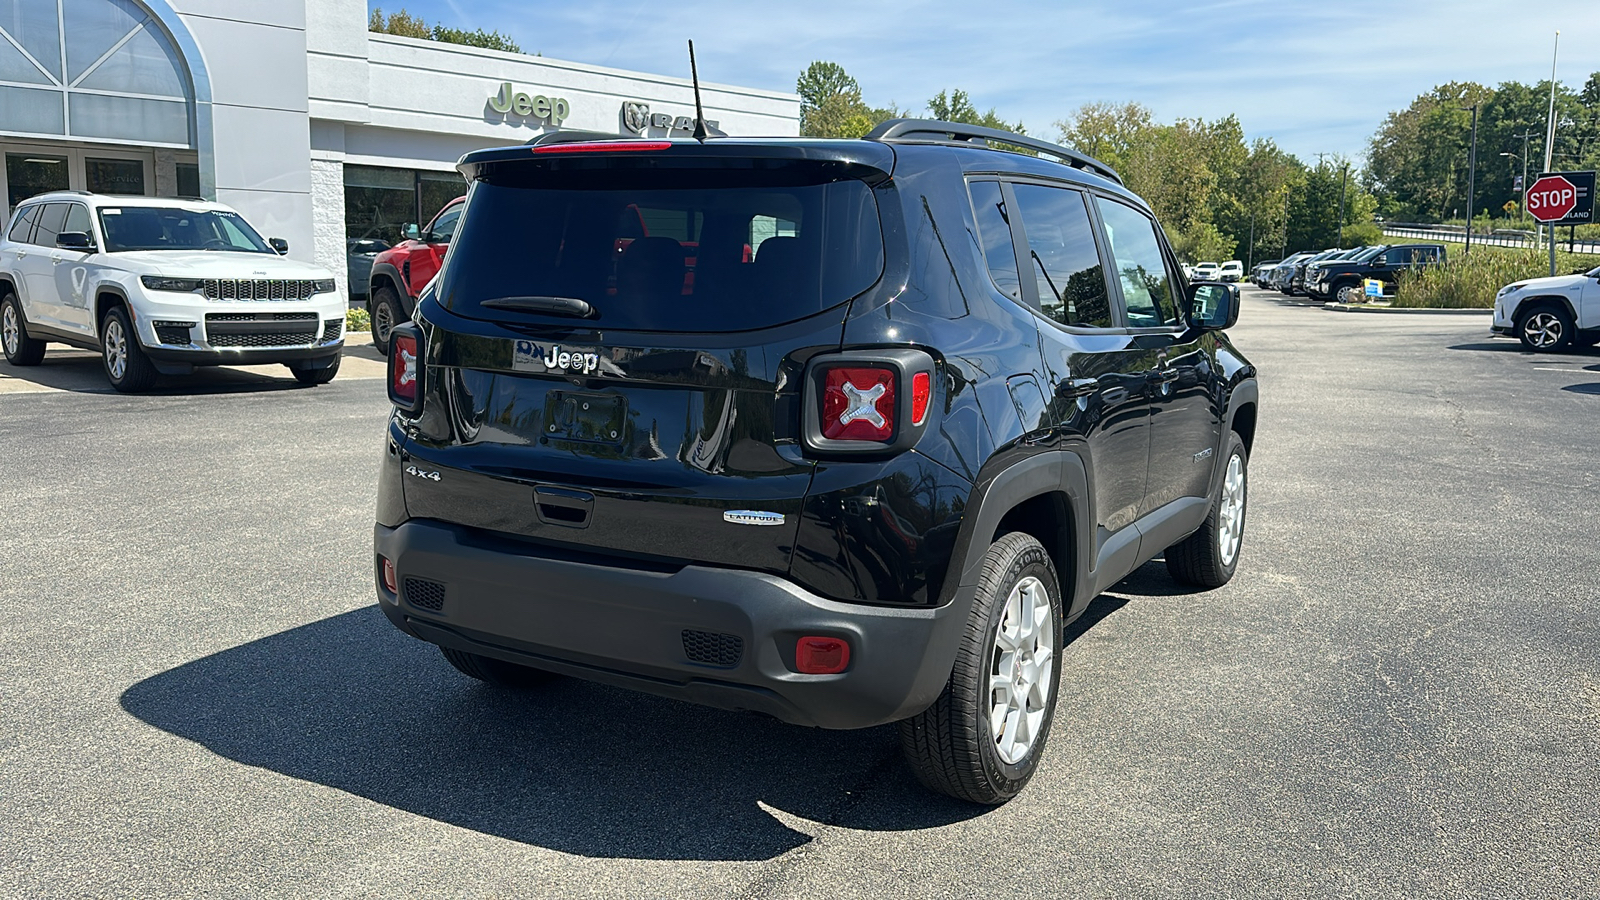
<point x="160" y="286"/>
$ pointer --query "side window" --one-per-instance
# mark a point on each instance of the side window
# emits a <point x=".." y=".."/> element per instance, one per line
<point x="78" y="219"/>
<point x="1399" y="256"/>
<point x="444" y="227"/>
<point x="994" y="234"/>
<point x="1147" y="286"/>
<point x="1066" y="262"/>
<point x="50" y="222"/>
<point x="22" y="225"/>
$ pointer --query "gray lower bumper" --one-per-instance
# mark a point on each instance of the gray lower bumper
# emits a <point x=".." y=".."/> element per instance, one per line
<point x="625" y="626"/>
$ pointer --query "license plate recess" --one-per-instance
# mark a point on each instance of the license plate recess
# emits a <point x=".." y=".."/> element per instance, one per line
<point x="585" y="418"/>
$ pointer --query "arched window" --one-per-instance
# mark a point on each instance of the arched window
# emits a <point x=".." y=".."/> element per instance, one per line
<point x="92" y="69"/>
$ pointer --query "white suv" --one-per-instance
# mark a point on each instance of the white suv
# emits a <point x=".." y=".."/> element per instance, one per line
<point x="1550" y="313"/>
<point x="161" y="286"/>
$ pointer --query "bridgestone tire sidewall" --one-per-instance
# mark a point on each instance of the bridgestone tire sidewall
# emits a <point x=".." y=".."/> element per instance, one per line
<point x="1028" y="558"/>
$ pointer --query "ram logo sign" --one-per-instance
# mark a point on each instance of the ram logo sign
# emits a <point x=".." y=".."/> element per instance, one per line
<point x="637" y="118"/>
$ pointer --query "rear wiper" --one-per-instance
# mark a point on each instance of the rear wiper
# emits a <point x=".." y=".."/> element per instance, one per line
<point x="556" y="306"/>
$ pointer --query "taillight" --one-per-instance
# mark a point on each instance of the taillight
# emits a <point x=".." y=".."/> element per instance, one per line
<point x="921" y="393"/>
<point x="867" y="401"/>
<point x="406" y="368"/>
<point x="858" y="404"/>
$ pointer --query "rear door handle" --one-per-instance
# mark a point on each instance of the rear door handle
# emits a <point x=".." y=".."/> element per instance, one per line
<point x="1077" y="387"/>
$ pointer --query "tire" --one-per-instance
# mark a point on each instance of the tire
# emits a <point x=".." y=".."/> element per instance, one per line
<point x="386" y="313"/>
<point x="1544" y="328"/>
<point x="494" y="671"/>
<point x="316" y="376"/>
<point x="1347" y="292"/>
<point x="20" y="349"/>
<point x="952" y="746"/>
<point x="127" y="367"/>
<point x="1209" y="557"/>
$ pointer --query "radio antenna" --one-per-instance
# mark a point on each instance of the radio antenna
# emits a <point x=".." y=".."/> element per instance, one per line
<point x="700" y="132"/>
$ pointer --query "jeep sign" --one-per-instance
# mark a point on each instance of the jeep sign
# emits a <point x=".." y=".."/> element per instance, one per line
<point x="1562" y="198"/>
<point x="551" y="109"/>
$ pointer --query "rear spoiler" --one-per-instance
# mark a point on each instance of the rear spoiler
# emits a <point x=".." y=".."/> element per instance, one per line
<point x="869" y="161"/>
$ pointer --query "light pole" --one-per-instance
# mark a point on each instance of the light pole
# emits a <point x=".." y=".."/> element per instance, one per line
<point x="1344" y="177"/>
<point x="1472" y="172"/>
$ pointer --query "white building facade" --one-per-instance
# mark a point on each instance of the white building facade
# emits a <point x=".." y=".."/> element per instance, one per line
<point x="291" y="111"/>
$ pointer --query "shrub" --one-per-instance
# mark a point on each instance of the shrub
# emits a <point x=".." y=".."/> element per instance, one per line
<point x="1471" y="282"/>
<point x="357" y="320"/>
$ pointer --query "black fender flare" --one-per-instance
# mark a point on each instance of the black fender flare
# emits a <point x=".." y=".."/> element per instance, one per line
<point x="1050" y="471"/>
<point x="387" y="272"/>
<point x="1246" y="391"/>
<point x="99" y="308"/>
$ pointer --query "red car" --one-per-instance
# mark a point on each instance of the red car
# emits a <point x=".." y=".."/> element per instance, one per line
<point x="400" y="273"/>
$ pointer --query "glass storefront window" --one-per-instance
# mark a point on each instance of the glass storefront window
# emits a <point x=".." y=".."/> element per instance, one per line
<point x="114" y="176"/>
<point x="380" y="202"/>
<point x="92" y="68"/>
<point x="28" y="174"/>
<point x="188" y="179"/>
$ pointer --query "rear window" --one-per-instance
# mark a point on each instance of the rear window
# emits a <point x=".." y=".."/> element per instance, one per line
<point x="664" y="250"/>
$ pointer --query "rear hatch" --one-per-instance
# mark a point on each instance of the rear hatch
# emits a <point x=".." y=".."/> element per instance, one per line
<point x="616" y="339"/>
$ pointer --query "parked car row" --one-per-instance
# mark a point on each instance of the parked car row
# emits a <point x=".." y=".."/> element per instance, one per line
<point x="1230" y="271"/>
<point x="1340" y="274"/>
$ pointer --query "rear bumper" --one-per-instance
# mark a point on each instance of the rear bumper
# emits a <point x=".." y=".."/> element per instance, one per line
<point x="626" y="626"/>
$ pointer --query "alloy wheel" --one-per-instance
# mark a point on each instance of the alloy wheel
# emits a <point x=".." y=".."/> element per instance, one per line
<point x="116" y="344"/>
<point x="1019" y="677"/>
<point x="1542" y="329"/>
<point x="11" y="331"/>
<point x="1231" y="517"/>
<point x="1348" y="294"/>
<point x="382" y="322"/>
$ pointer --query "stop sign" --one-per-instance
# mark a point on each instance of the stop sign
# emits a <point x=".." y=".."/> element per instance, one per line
<point x="1551" y="198"/>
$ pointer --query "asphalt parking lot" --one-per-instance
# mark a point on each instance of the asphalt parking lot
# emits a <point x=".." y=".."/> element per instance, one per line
<point x="1398" y="695"/>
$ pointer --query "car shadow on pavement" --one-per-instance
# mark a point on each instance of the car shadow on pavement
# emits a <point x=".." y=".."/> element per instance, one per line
<point x="1591" y="388"/>
<point x="1512" y="346"/>
<point x="350" y="703"/>
<point x="81" y="372"/>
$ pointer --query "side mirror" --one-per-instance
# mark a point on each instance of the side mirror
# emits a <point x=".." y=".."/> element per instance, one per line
<point x="1379" y="262"/>
<point x="279" y="244"/>
<point x="75" y="240"/>
<point x="410" y="231"/>
<point x="1213" y="305"/>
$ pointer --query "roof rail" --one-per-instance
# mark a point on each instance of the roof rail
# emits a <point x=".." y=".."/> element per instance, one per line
<point x="978" y="136"/>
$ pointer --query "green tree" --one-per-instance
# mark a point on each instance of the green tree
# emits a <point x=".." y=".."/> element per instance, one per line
<point x="404" y="24"/>
<point x="956" y="106"/>
<point x="831" y="104"/>
<point x="401" y="23"/>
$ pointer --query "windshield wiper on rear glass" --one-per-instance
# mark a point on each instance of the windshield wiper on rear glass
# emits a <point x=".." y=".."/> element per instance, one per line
<point x="555" y="306"/>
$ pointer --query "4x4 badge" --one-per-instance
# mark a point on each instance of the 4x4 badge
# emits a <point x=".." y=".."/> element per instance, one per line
<point x="752" y="517"/>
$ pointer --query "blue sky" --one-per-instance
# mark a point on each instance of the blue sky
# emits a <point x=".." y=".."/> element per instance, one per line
<point x="1314" y="76"/>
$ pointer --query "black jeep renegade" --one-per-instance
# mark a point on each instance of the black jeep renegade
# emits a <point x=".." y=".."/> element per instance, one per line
<point x="841" y="431"/>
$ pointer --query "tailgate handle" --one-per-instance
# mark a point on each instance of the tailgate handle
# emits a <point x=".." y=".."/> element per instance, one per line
<point x="560" y="506"/>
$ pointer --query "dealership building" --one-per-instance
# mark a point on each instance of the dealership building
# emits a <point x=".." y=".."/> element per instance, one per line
<point x="292" y="112"/>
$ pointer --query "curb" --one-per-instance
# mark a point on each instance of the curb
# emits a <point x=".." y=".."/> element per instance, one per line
<point x="1401" y="311"/>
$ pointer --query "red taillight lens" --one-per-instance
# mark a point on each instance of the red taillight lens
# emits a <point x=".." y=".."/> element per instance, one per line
<point x="821" y="655"/>
<point x="405" y="368"/>
<point x="921" y="393"/>
<point x="390" y="583"/>
<point x="603" y="146"/>
<point x="858" y="404"/>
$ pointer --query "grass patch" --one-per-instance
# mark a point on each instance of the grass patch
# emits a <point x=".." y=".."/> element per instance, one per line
<point x="1470" y="282"/>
